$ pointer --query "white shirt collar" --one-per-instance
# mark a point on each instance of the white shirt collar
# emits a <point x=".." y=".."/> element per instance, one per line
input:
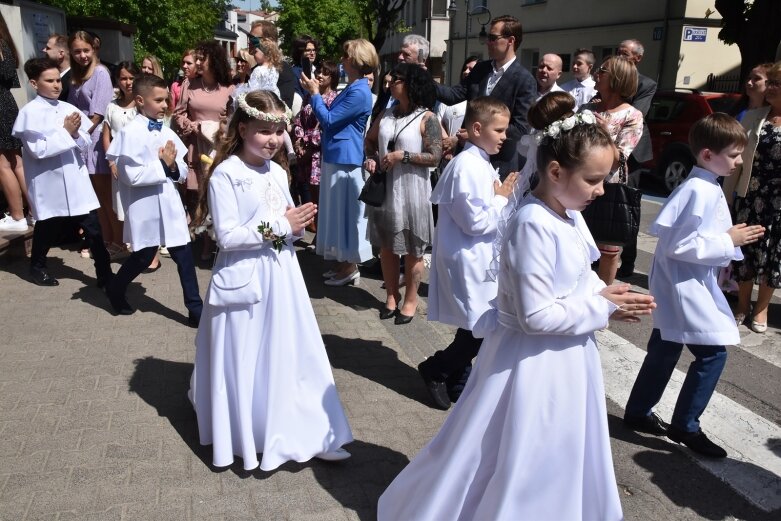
<point x="503" y="68"/>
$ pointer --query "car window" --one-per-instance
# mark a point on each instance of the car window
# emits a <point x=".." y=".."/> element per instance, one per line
<point x="664" y="109"/>
<point x="723" y="104"/>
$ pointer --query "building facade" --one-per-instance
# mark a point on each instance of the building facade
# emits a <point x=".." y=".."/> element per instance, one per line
<point x="680" y="36"/>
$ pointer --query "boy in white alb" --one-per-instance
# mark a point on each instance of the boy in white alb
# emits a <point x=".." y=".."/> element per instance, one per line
<point x="696" y="238"/>
<point x="53" y="134"/>
<point x="470" y="200"/>
<point x="150" y="158"/>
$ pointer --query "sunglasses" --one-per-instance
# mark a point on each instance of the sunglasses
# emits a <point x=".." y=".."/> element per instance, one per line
<point x="495" y="37"/>
<point x="602" y="70"/>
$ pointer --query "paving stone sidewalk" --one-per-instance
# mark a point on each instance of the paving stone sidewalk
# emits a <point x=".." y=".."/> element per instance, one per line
<point x="95" y="423"/>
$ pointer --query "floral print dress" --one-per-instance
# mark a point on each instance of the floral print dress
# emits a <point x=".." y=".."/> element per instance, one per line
<point x="762" y="205"/>
<point x="306" y="130"/>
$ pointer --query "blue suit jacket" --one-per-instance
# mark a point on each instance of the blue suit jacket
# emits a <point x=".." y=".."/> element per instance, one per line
<point x="343" y="124"/>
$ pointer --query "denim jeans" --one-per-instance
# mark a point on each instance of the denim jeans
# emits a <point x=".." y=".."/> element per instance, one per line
<point x="698" y="387"/>
<point x="139" y="260"/>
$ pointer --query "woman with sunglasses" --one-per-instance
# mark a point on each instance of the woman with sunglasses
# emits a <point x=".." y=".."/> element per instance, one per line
<point x="757" y="195"/>
<point x="405" y="143"/>
<point x="616" y="84"/>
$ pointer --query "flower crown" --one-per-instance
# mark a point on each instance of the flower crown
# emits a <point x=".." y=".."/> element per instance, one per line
<point x="563" y="125"/>
<point x="252" y="112"/>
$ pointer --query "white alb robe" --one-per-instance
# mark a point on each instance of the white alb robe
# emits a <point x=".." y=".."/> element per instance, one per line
<point x="693" y="244"/>
<point x="469" y="210"/>
<point x="154" y="214"/>
<point x="57" y="179"/>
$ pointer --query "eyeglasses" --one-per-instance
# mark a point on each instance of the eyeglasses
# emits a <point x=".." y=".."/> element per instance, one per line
<point x="602" y="70"/>
<point x="397" y="79"/>
<point x="310" y="50"/>
<point x="495" y="37"/>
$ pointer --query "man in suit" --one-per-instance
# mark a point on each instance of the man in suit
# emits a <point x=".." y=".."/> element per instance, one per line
<point x="287" y="79"/>
<point x="646" y="88"/>
<point x="503" y="77"/>
<point x="57" y="49"/>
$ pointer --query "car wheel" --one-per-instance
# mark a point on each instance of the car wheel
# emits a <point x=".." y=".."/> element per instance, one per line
<point x="675" y="169"/>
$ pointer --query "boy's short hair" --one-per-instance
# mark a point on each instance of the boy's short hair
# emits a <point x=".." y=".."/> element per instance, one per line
<point x="483" y="109"/>
<point x="144" y="82"/>
<point x="716" y="132"/>
<point x="34" y="67"/>
<point x="588" y="56"/>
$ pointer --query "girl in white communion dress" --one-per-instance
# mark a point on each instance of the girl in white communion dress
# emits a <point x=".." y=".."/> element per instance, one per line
<point x="528" y="438"/>
<point x="262" y="381"/>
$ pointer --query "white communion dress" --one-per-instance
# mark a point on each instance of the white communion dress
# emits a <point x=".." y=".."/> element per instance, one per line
<point x="262" y="381"/>
<point x="528" y="438"/>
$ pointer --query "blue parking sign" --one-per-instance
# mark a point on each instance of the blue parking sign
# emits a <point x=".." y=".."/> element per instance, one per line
<point x="694" y="34"/>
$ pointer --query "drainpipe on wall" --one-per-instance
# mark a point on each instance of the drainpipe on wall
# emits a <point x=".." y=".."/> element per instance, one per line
<point x="663" y="50"/>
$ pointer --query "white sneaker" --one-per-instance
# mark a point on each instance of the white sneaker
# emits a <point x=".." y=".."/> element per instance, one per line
<point x="334" y="455"/>
<point x="30" y="220"/>
<point x="164" y="252"/>
<point x="9" y="224"/>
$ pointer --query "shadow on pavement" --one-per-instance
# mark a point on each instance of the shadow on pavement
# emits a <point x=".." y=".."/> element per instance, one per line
<point x="163" y="384"/>
<point x="687" y="484"/>
<point x="376" y="362"/>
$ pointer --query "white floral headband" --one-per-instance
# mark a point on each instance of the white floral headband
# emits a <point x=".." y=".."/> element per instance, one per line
<point x="563" y="125"/>
<point x="252" y="112"/>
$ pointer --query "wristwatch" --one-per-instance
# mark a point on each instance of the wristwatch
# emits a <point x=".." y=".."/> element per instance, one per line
<point x="405" y="159"/>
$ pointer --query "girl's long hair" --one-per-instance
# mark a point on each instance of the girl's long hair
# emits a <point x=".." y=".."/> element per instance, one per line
<point x="79" y="73"/>
<point x="273" y="53"/>
<point x="231" y="143"/>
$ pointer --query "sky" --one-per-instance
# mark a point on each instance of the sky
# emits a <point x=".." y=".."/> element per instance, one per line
<point x="249" y="4"/>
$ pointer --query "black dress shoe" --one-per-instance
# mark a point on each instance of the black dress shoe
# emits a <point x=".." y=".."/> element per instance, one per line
<point x="403" y="319"/>
<point x="651" y="424"/>
<point x="696" y="441"/>
<point x="625" y="271"/>
<point x="386" y="313"/>
<point x="437" y="389"/>
<point x="152" y="270"/>
<point x="41" y="278"/>
<point x="118" y="303"/>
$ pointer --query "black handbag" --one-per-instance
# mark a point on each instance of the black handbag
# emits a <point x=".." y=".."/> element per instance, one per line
<point x="614" y="217"/>
<point x="373" y="191"/>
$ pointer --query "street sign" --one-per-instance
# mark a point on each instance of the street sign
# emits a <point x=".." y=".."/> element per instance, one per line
<point x="694" y="34"/>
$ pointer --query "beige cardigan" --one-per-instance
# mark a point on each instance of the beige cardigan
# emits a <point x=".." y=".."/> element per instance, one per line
<point x="738" y="182"/>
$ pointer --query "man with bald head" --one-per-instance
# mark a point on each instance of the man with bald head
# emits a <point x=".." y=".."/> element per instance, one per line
<point x="548" y="71"/>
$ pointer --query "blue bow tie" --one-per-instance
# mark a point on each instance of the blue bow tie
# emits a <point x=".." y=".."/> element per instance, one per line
<point x="154" y="125"/>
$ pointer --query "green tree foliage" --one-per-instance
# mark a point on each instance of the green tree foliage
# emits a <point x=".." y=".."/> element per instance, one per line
<point x="335" y="21"/>
<point x="332" y="22"/>
<point x="754" y="26"/>
<point x="165" y="27"/>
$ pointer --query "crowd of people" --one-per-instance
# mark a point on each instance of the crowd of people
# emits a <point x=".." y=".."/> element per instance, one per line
<point x="489" y="175"/>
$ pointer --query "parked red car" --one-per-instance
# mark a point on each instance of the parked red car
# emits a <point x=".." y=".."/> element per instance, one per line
<point x="669" y="119"/>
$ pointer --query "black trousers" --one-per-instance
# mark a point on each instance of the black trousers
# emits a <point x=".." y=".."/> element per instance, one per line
<point x="453" y="364"/>
<point x="139" y="260"/>
<point x="629" y="251"/>
<point x="49" y="231"/>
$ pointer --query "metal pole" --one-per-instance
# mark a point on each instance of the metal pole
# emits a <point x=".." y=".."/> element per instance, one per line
<point x="466" y="31"/>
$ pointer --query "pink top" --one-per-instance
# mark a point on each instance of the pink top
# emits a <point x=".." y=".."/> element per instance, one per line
<point x="200" y="104"/>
